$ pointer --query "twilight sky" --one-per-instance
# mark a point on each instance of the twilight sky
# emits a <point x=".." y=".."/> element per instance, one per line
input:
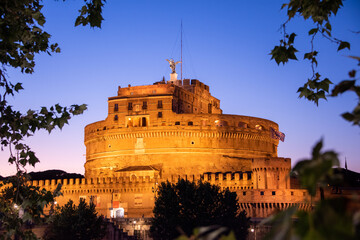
<point x="226" y="46"/>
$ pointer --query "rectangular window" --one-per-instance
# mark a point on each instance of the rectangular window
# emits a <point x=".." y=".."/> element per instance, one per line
<point x="144" y="106"/>
<point x="159" y="114"/>
<point x="115" y="117"/>
<point x="177" y="123"/>
<point x="292" y="193"/>
<point x="273" y="193"/>
<point x="249" y="175"/>
<point x="190" y="123"/>
<point x="143" y="124"/>
<point x="160" y="105"/>
<point x="130" y="106"/>
<point x="262" y="193"/>
<point x="116" y="107"/>
<point x="244" y="193"/>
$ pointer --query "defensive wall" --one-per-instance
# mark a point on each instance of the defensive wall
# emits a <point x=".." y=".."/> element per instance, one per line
<point x="139" y="192"/>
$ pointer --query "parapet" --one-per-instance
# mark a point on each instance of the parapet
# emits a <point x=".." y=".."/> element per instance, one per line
<point x="272" y="163"/>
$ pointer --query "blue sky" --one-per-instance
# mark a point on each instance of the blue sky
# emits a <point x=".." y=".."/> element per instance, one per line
<point x="226" y="46"/>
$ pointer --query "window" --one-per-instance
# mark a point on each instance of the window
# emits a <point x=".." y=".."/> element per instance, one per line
<point x="160" y="105"/>
<point x="210" y="108"/>
<point x="116" y="107"/>
<point x="249" y="175"/>
<point x="130" y="106"/>
<point x="144" y="106"/>
<point x="115" y="117"/>
<point x="221" y="123"/>
<point x="262" y="193"/>
<point x="273" y="193"/>
<point x="242" y="125"/>
<point x="292" y="193"/>
<point x="259" y="127"/>
<point x="143" y="122"/>
<point x="159" y="114"/>
<point x="177" y="123"/>
<point x="190" y="123"/>
<point x="244" y="193"/>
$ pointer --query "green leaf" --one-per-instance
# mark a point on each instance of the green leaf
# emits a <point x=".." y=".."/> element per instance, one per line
<point x="58" y="108"/>
<point x="18" y="86"/>
<point x="291" y="38"/>
<point x="313" y="31"/>
<point x="328" y="26"/>
<point x="342" y="87"/>
<point x="343" y="45"/>
<point x="348" y="116"/>
<point x="352" y="73"/>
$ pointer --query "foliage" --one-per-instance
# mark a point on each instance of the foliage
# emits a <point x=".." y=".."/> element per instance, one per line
<point x="330" y="219"/>
<point x="318" y="171"/>
<point x="334" y="218"/>
<point x="22" y="37"/>
<point x="72" y="222"/>
<point x="21" y="206"/>
<point x="210" y="233"/>
<point x="181" y="207"/>
<point x="91" y="13"/>
<point x="316" y="88"/>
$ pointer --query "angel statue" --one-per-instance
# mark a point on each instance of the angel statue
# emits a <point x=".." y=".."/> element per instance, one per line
<point x="173" y="64"/>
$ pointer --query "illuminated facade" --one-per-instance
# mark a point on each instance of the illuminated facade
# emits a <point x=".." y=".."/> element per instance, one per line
<point x="176" y="129"/>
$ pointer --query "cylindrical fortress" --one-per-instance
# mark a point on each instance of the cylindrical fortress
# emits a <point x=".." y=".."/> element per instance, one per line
<point x="173" y="130"/>
<point x="169" y="130"/>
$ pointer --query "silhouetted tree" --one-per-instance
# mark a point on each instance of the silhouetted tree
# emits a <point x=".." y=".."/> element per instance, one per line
<point x="72" y="222"/>
<point x="184" y="206"/>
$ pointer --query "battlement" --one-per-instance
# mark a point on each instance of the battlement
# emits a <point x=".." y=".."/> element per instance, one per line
<point x="91" y="181"/>
<point x="271" y="164"/>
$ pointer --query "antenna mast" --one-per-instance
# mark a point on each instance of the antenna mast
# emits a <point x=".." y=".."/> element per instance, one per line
<point x="181" y="52"/>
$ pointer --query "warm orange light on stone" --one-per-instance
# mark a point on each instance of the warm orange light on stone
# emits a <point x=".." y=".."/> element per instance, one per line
<point x="173" y="130"/>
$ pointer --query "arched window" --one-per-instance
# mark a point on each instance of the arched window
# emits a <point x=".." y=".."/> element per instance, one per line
<point x="221" y="123"/>
<point x="120" y="213"/>
<point x="242" y="125"/>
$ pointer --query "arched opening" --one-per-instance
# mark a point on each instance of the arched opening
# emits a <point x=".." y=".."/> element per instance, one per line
<point x="242" y="125"/>
<point x="259" y="127"/>
<point x="221" y="123"/>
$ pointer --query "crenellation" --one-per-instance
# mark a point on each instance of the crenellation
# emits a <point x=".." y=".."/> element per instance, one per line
<point x="172" y="130"/>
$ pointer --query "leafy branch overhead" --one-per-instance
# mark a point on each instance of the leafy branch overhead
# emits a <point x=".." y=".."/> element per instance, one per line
<point x="22" y="37"/>
<point x="91" y="13"/>
<point x="319" y="12"/>
<point x="317" y="171"/>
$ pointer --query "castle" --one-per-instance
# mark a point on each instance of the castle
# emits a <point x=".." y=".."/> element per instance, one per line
<point x="176" y="129"/>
